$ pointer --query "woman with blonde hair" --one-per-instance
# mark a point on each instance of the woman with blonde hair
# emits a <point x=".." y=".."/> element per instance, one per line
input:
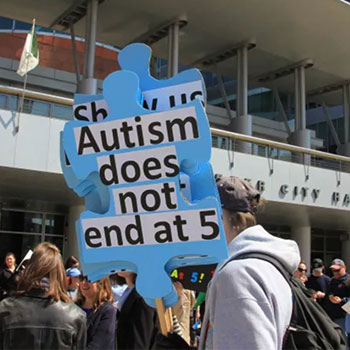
<point x="40" y="315"/>
<point x="96" y="299"/>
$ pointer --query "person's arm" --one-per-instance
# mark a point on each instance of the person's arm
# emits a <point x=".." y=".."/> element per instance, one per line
<point x="104" y="336"/>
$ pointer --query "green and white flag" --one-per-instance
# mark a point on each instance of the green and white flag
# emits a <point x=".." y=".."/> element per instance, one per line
<point x="30" y="54"/>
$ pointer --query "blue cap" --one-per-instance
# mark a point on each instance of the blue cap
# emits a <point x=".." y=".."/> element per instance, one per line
<point x="73" y="272"/>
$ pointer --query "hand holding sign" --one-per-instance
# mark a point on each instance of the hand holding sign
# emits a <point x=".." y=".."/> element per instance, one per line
<point x="130" y="163"/>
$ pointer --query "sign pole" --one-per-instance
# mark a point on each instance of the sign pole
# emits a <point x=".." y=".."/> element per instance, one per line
<point x="165" y="317"/>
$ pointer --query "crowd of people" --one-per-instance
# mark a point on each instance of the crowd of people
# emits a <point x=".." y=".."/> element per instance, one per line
<point x="332" y="293"/>
<point x="248" y="304"/>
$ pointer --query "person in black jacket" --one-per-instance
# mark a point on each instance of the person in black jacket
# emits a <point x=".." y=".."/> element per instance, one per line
<point x="338" y="293"/>
<point x="318" y="281"/>
<point x="40" y="315"/>
<point x="137" y="322"/>
<point x="8" y="276"/>
<point x="96" y="300"/>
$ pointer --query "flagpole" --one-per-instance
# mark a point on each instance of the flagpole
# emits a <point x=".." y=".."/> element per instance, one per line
<point x="21" y="101"/>
<point x="23" y="94"/>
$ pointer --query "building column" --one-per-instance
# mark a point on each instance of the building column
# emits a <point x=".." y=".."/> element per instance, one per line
<point x="72" y="238"/>
<point x="345" y="250"/>
<point x="301" y="136"/>
<point x="88" y="85"/>
<point x="302" y="235"/>
<point x="173" y="50"/>
<point x="345" y="147"/>
<point x="242" y="123"/>
<point x="242" y="81"/>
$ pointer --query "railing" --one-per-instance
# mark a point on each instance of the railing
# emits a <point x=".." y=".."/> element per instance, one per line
<point x="230" y="141"/>
<point x="235" y="142"/>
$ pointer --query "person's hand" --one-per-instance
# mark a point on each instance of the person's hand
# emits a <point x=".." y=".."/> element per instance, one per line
<point x="320" y="295"/>
<point x="179" y="288"/>
<point x="334" y="299"/>
<point x="303" y="279"/>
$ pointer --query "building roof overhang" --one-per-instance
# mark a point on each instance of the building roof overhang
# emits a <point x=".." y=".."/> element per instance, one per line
<point x="285" y="32"/>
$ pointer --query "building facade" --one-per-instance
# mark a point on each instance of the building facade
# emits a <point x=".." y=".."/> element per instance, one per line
<point x="308" y="194"/>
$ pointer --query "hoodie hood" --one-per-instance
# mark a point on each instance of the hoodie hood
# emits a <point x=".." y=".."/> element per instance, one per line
<point x="256" y="240"/>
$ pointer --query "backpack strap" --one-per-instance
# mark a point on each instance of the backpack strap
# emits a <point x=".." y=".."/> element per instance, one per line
<point x="261" y="256"/>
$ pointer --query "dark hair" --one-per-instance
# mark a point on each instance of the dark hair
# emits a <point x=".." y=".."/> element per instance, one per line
<point x="46" y="262"/>
<point x="118" y="279"/>
<point x="7" y="255"/>
<point x="71" y="261"/>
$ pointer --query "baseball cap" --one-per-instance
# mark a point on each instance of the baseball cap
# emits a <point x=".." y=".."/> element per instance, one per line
<point x="73" y="272"/>
<point x="236" y="194"/>
<point x="336" y="263"/>
<point x="317" y="264"/>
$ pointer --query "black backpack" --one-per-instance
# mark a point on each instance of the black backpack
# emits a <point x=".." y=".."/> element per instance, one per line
<point x="310" y="326"/>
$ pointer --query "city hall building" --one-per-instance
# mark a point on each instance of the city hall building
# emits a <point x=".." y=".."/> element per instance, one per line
<point x="278" y="101"/>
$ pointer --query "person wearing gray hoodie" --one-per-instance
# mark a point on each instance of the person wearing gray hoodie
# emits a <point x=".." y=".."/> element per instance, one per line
<point x="249" y="303"/>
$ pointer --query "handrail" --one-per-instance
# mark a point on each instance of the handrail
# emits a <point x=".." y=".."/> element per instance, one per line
<point x="11" y="90"/>
<point x="280" y="145"/>
<point x="217" y="132"/>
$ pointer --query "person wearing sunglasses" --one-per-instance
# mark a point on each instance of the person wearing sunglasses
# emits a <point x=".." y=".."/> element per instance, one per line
<point x="338" y="293"/>
<point x="300" y="272"/>
<point x="96" y="299"/>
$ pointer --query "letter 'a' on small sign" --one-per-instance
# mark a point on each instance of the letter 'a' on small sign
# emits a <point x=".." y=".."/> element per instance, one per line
<point x="151" y="199"/>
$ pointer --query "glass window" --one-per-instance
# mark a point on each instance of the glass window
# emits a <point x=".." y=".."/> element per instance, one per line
<point x="6" y="23"/>
<point x="36" y="107"/>
<point x="27" y="106"/>
<point x="333" y="244"/>
<point x="64" y="112"/>
<point x="12" y="100"/>
<point x="3" y="101"/>
<point x="18" y="244"/>
<point x="57" y="241"/>
<point x="54" y="224"/>
<point x="19" y="221"/>
<point x="317" y="243"/>
<point x="22" y="26"/>
<point x="41" y="108"/>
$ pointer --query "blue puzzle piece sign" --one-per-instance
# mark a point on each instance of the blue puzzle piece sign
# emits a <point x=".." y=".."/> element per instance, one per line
<point x="128" y="168"/>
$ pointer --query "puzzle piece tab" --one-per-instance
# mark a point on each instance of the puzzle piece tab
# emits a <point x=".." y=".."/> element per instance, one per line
<point x="161" y="95"/>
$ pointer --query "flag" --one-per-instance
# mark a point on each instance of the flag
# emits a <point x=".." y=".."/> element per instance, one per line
<point x="27" y="257"/>
<point x="30" y="54"/>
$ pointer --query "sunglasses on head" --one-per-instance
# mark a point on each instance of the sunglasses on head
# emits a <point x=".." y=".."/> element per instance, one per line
<point x="301" y="270"/>
<point x="336" y="270"/>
